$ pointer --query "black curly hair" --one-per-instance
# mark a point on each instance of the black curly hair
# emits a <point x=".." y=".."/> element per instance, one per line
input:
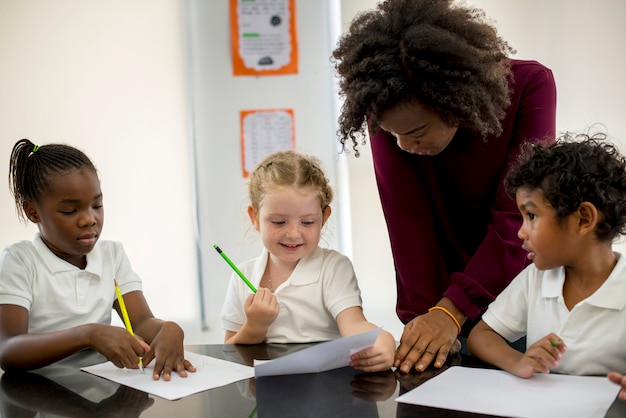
<point x="446" y="56"/>
<point x="576" y="168"/>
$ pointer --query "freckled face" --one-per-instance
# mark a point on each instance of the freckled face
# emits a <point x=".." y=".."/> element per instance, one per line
<point x="70" y="215"/>
<point x="546" y="240"/>
<point x="417" y="129"/>
<point x="290" y="223"/>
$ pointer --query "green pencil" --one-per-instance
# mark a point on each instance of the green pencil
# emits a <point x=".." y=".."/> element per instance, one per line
<point x="234" y="267"/>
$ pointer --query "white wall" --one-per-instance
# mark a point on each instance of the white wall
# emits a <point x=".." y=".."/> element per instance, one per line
<point x="110" y="77"/>
<point x="217" y="97"/>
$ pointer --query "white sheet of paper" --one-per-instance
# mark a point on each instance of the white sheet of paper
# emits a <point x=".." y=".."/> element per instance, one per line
<point x="210" y="373"/>
<point x="497" y="392"/>
<point x="319" y="358"/>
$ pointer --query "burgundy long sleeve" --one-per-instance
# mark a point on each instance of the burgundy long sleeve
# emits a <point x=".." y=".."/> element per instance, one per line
<point x="453" y="229"/>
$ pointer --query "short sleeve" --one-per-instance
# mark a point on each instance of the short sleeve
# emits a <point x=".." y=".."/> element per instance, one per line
<point x="340" y="286"/>
<point x="508" y="313"/>
<point x="16" y="278"/>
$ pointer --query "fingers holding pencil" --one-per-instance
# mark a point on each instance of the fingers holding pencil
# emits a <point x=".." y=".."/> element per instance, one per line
<point x="117" y="345"/>
<point x="126" y="318"/>
<point x="541" y="356"/>
<point x="140" y="348"/>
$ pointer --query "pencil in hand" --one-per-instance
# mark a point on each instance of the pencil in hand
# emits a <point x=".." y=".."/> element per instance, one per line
<point x="234" y="267"/>
<point x="129" y="327"/>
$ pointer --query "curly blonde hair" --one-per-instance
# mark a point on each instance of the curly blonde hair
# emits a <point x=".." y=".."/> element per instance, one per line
<point x="288" y="169"/>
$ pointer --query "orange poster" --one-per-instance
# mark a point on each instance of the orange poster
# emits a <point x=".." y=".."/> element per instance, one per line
<point x="263" y="37"/>
<point x="264" y="132"/>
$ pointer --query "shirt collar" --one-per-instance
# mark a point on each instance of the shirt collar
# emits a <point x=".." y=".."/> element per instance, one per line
<point x="552" y="283"/>
<point x="609" y="296"/>
<point x="58" y="265"/>
<point x="306" y="271"/>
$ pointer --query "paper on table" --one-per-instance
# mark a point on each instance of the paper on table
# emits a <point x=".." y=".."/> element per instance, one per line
<point x="319" y="358"/>
<point x="497" y="392"/>
<point x="210" y="373"/>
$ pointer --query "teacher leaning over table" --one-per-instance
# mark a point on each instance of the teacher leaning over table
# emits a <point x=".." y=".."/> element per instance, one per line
<point x="447" y="110"/>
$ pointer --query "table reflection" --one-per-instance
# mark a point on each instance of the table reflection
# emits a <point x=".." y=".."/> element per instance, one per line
<point x="340" y="392"/>
<point x="68" y="392"/>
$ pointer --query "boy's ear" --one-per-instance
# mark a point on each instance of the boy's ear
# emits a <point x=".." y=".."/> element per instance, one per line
<point x="588" y="217"/>
<point x="252" y="213"/>
<point x="31" y="212"/>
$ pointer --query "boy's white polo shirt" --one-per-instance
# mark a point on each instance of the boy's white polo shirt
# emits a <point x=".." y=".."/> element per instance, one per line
<point x="594" y="331"/>
<point x="57" y="294"/>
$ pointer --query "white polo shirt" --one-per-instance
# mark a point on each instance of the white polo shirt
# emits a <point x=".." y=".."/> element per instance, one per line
<point x="59" y="295"/>
<point x="594" y="330"/>
<point x="321" y="286"/>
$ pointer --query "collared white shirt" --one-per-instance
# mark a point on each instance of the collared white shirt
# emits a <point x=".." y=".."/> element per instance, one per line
<point x="321" y="286"/>
<point x="594" y="331"/>
<point x="59" y="295"/>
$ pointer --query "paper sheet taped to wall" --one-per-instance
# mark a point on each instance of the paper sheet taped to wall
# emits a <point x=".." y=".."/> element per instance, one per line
<point x="264" y="132"/>
<point x="263" y="37"/>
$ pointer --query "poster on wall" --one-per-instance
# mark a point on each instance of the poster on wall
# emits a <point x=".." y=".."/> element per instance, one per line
<point x="263" y="37"/>
<point x="264" y="132"/>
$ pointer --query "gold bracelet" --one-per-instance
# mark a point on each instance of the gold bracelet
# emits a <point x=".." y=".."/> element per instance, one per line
<point x="441" y="308"/>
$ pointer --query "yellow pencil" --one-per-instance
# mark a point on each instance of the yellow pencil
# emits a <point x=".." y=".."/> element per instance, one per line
<point x="129" y="327"/>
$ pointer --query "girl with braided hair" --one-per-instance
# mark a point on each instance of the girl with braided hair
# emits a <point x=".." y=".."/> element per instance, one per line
<point x="305" y="293"/>
<point x="447" y="110"/>
<point x="57" y="291"/>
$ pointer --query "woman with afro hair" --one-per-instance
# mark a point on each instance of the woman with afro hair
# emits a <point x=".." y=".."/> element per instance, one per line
<point x="447" y="111"/>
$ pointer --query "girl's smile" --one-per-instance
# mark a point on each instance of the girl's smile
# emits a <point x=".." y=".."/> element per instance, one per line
<point x="290" y="223"/>
<point x="291" y="247"/>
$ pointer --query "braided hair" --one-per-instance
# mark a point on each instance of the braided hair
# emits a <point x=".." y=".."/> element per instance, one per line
<point x="31" y="167"/>
<point x="288" y="169"/>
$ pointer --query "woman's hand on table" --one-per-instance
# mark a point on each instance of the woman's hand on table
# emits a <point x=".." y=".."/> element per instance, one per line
<point x="428" y="338"/>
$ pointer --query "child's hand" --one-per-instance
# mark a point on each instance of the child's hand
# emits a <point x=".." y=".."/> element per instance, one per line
<point x="620" y="379"/>
<point x="261" y="308"/>
<point x="540" y="356"/>
<point x="168" y="350"/>
<point x="117" y="345"/>
<point x="376" y="358"/>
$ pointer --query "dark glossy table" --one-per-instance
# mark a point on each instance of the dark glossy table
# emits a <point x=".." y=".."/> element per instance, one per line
<point x="69" y="392"/>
